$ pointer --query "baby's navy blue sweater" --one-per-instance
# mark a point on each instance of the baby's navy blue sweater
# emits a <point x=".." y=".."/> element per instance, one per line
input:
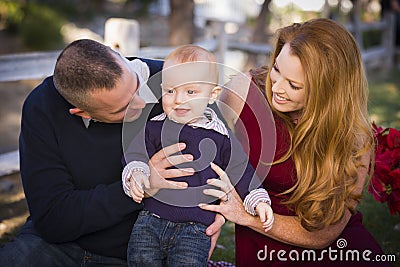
<point x="206" y="146"/>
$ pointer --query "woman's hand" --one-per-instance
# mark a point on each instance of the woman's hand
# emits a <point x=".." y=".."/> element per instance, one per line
<point x="231" y="205"/>
<point x="286" y="229"/>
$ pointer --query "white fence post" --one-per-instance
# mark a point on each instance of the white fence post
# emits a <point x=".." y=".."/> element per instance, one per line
<point x="220" y="35"/>
<point x="122" y="35"/>
<point x="389" y="34"/>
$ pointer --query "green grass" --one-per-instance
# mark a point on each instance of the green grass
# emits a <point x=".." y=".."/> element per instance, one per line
<point x="384" y="103"/>
<point x="378" y="220"/>
<point x="225" y="250"/>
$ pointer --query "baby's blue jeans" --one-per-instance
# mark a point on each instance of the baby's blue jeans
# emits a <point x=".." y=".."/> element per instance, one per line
<point x="157" y="242"/>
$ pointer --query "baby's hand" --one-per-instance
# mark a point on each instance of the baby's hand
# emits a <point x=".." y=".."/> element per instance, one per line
<point x="264" y="211"/>
<point x="138" y="181"/>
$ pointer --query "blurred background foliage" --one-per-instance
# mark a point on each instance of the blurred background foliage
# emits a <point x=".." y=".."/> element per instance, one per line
<point x="384" y="99"/>
<point x="38" y="22"/>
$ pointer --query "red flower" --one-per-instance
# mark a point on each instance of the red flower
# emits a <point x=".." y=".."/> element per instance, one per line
<point x="393" y="138"/>
<point x="385" y="183"/>
<point x="379" y="131"/>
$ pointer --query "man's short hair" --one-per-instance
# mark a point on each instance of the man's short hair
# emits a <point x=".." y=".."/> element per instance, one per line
<point x="85" y="66"/>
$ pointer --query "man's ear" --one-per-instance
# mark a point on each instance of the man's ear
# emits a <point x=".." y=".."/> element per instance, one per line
<point x="214" y="94"/>
<point x="79" y="112"/>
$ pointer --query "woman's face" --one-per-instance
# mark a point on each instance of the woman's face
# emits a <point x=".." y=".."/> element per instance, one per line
<point x="287" y="78"/>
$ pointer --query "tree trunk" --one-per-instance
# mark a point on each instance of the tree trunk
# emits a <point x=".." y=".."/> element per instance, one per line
<point x="259" y="33"/>
<point x="181" y="22"/>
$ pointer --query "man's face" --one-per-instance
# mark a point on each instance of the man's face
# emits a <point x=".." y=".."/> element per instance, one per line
<point x="111" y="106"/>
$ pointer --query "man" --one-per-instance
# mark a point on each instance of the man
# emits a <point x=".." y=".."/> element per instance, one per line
<point x="71" y="160"/>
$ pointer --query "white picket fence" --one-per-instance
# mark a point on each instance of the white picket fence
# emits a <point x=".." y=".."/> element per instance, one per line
<point x="17" y="67"/>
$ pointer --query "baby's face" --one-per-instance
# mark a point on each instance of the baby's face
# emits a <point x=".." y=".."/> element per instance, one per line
<point x="187" y="90"/>
<point x="186" y="104"/>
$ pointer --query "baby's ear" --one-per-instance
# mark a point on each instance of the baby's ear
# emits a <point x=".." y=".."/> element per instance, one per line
<point x="214" y="94"/>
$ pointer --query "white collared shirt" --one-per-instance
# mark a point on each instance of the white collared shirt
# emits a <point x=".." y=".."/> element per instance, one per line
<point x="214" y="123"/>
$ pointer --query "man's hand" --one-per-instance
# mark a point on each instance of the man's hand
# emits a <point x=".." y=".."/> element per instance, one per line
<point x="159" y="169"/>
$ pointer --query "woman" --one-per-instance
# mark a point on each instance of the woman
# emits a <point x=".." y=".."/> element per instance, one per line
<point x="318" y="94"/>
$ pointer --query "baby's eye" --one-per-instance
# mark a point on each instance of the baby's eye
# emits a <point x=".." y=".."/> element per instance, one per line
<point x="170" y="91"/>
<point x="190" y="92"/>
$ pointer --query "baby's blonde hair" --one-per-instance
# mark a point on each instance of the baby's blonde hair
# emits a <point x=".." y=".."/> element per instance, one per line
<point x="194" y="53"/>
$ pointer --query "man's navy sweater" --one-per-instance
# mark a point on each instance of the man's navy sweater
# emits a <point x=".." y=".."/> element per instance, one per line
<point x="72" y="174"/>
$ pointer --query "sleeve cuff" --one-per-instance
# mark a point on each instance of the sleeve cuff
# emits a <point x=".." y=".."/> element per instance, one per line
<point x="253" y="198"/>
<point x="130" y="168"/>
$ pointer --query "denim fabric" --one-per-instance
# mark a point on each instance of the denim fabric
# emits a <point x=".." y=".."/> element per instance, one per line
<point x="28" y="249"/>
<point x="159" y="242"/>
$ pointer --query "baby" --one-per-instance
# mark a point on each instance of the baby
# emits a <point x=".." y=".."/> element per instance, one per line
<point x="171" y="228"/>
